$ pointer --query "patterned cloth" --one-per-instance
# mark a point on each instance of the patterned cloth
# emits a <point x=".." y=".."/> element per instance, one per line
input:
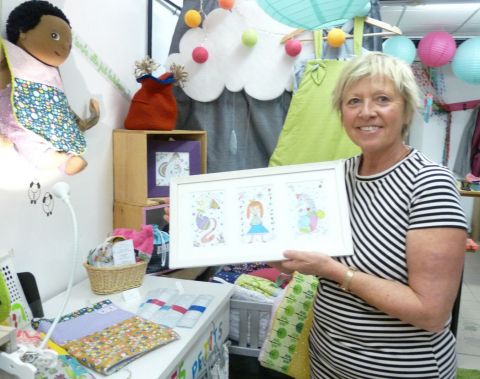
<point x="111" y="349"/>
<point x="84" y="321"/>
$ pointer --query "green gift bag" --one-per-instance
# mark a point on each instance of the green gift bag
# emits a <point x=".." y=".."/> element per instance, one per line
<point x="286" y="346"/>
<point x="313" y="131"/>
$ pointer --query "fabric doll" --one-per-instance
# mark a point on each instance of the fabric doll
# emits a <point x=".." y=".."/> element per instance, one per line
<point x="34" y="111"/>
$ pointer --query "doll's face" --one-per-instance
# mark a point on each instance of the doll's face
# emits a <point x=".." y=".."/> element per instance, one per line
<point x="50" y="41"/>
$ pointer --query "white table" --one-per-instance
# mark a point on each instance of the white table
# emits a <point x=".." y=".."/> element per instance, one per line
<point x="183" y="358"/>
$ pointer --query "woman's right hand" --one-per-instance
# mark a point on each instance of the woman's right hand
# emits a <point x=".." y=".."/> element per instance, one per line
<point x="166" y="216"/>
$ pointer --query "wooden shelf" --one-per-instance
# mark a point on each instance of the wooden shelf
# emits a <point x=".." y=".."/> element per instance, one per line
<point x="132" y="205"/>
<point x="130" y="161"/>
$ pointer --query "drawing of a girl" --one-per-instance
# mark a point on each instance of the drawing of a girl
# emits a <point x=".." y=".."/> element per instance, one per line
<point x="255" y="215"/>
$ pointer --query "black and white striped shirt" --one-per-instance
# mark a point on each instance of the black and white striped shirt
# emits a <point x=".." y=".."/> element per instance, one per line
<point x="351" y="339"/>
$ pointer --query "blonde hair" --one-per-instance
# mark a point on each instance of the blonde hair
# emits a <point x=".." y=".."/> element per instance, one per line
<point x="379" y="65"/>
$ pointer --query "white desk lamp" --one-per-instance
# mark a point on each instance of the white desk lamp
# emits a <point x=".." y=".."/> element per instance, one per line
<point x="19" y="362"/>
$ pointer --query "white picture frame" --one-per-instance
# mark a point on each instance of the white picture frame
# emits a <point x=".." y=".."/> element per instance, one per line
<point x="255" y="215"/>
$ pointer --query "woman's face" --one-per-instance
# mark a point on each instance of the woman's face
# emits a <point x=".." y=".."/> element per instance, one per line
<point x="373" y="114"/>
<point x="50" y="41"/>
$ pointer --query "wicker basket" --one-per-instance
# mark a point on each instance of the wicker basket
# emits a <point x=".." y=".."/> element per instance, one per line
<point x="106" y="280"/>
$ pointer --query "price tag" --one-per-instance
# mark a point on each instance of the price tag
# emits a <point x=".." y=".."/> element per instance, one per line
<point x="123" y="253"/>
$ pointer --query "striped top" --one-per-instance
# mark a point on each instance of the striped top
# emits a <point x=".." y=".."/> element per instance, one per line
<point x="351" y="339"/>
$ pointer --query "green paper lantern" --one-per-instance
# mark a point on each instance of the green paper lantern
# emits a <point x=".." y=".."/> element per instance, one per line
<point x="313" y="14"/>
<point x="400" y="47"/>
<point x="466" y="62"/>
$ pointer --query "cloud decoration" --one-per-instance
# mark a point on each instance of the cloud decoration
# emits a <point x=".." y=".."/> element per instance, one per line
<point x="263" y="70"/>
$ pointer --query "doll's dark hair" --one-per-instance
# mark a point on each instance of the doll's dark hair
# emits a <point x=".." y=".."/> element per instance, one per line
<point x="27" y="16"/>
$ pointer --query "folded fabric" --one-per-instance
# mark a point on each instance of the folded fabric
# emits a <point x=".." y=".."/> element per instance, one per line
<point x="112" y="348"/>
<point x="142" y="240"/>
<point x="273" y="275"/>
<point x="228" y="276"/>
<point x="83" y="322"/>
<point x="243" y="268"/>
<point x="264" y="286"/>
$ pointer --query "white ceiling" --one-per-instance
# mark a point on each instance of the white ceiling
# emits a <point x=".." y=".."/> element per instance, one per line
<point x="416" y="18"/>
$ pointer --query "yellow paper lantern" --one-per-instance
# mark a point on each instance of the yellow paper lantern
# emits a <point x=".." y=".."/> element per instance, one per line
<point x="192" y="18"/>
<point x="336" y="37"/>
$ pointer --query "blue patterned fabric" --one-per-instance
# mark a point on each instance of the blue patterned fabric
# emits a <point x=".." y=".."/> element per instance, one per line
<point x="44" y="110"/>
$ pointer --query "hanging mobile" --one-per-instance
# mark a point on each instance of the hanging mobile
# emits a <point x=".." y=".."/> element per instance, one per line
<point x="48" y="203"/>
<point x="34" y="191"/>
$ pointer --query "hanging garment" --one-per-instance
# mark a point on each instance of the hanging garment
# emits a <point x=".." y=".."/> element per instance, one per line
<point x="39" y="102"/>
<point x="313" y="131"/>
<point x="468" y="155"/>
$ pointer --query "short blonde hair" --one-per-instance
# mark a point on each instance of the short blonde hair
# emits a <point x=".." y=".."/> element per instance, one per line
<point x="379" y="65"/>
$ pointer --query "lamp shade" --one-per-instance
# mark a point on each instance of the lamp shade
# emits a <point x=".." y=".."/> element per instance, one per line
<point x="313" y="13"/>
<point x="401" y="47"/>
<point x="436" y="49"/>
<point x="466" y="62"/>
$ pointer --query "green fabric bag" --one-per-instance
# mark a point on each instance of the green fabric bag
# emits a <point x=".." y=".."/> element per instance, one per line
<point x="313" y="131"/>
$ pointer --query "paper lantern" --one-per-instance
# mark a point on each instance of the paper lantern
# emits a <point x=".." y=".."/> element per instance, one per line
<point x="192" y="18"/>
<point x="200" y="54"/>
<point x="401" y="47"/>
<point x="436" y="49"/>
<point x="293" y="47"/>
<point x="313" y="14"/>
<point x="336" y="37"/>
<point x="249" y="37"/>
<point x="226" y="4"/>
<point x="466" y="62"/>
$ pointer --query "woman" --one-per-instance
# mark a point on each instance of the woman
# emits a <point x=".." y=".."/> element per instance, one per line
<point x="384" y="312"/>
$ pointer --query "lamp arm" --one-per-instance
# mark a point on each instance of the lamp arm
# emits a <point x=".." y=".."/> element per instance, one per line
<point x="72" y="272"/>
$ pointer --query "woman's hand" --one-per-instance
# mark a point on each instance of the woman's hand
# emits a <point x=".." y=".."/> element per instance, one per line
<point x="309" y="263"/>
<point x="166" y="216"/>
<point x="312" y="263"/>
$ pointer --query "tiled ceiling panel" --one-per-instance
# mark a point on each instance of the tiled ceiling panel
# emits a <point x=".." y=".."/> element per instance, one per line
<point x="461" y="19"/>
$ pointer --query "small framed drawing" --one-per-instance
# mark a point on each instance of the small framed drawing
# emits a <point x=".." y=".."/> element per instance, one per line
<point x="169" y="159"/>
<point x="255" y="215"/>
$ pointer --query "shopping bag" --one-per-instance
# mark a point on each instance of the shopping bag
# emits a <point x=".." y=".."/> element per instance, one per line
<point x="286" y="347"/>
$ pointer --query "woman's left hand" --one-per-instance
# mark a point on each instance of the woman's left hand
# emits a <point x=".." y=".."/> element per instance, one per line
<point x="311" y="263"/>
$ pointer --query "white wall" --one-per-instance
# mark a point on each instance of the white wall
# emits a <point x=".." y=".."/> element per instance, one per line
<point x="116" y="31"/>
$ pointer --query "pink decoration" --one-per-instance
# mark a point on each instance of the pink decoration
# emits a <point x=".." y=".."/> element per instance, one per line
<point x="436" y="49"/>
<point x="293" y="47"/>
<point x="200" y="54"/>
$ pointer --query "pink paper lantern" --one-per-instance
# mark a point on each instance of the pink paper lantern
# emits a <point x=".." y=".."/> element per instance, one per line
<point x="293" y="47"/>
<point x="436" y="49"/>
<point x="200" y="54"/>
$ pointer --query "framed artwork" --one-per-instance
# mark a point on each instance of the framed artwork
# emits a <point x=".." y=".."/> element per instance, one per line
<point x="255" y="215"/>
<point x="169" y="159"/>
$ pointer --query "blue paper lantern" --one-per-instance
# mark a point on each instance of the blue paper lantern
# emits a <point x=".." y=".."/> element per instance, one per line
<point x="466" y="62"/>
<point x="400" y="47"/>
<point x="313" y="14"/>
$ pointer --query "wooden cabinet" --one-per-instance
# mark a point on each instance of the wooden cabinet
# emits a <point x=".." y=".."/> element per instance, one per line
<point x="133" y="206"/>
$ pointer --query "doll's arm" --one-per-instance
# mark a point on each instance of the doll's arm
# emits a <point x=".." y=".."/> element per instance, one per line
<point x="87" y="123"/>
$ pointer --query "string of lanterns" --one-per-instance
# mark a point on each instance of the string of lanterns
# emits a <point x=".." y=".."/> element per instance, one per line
<point x="435" y="49"/>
